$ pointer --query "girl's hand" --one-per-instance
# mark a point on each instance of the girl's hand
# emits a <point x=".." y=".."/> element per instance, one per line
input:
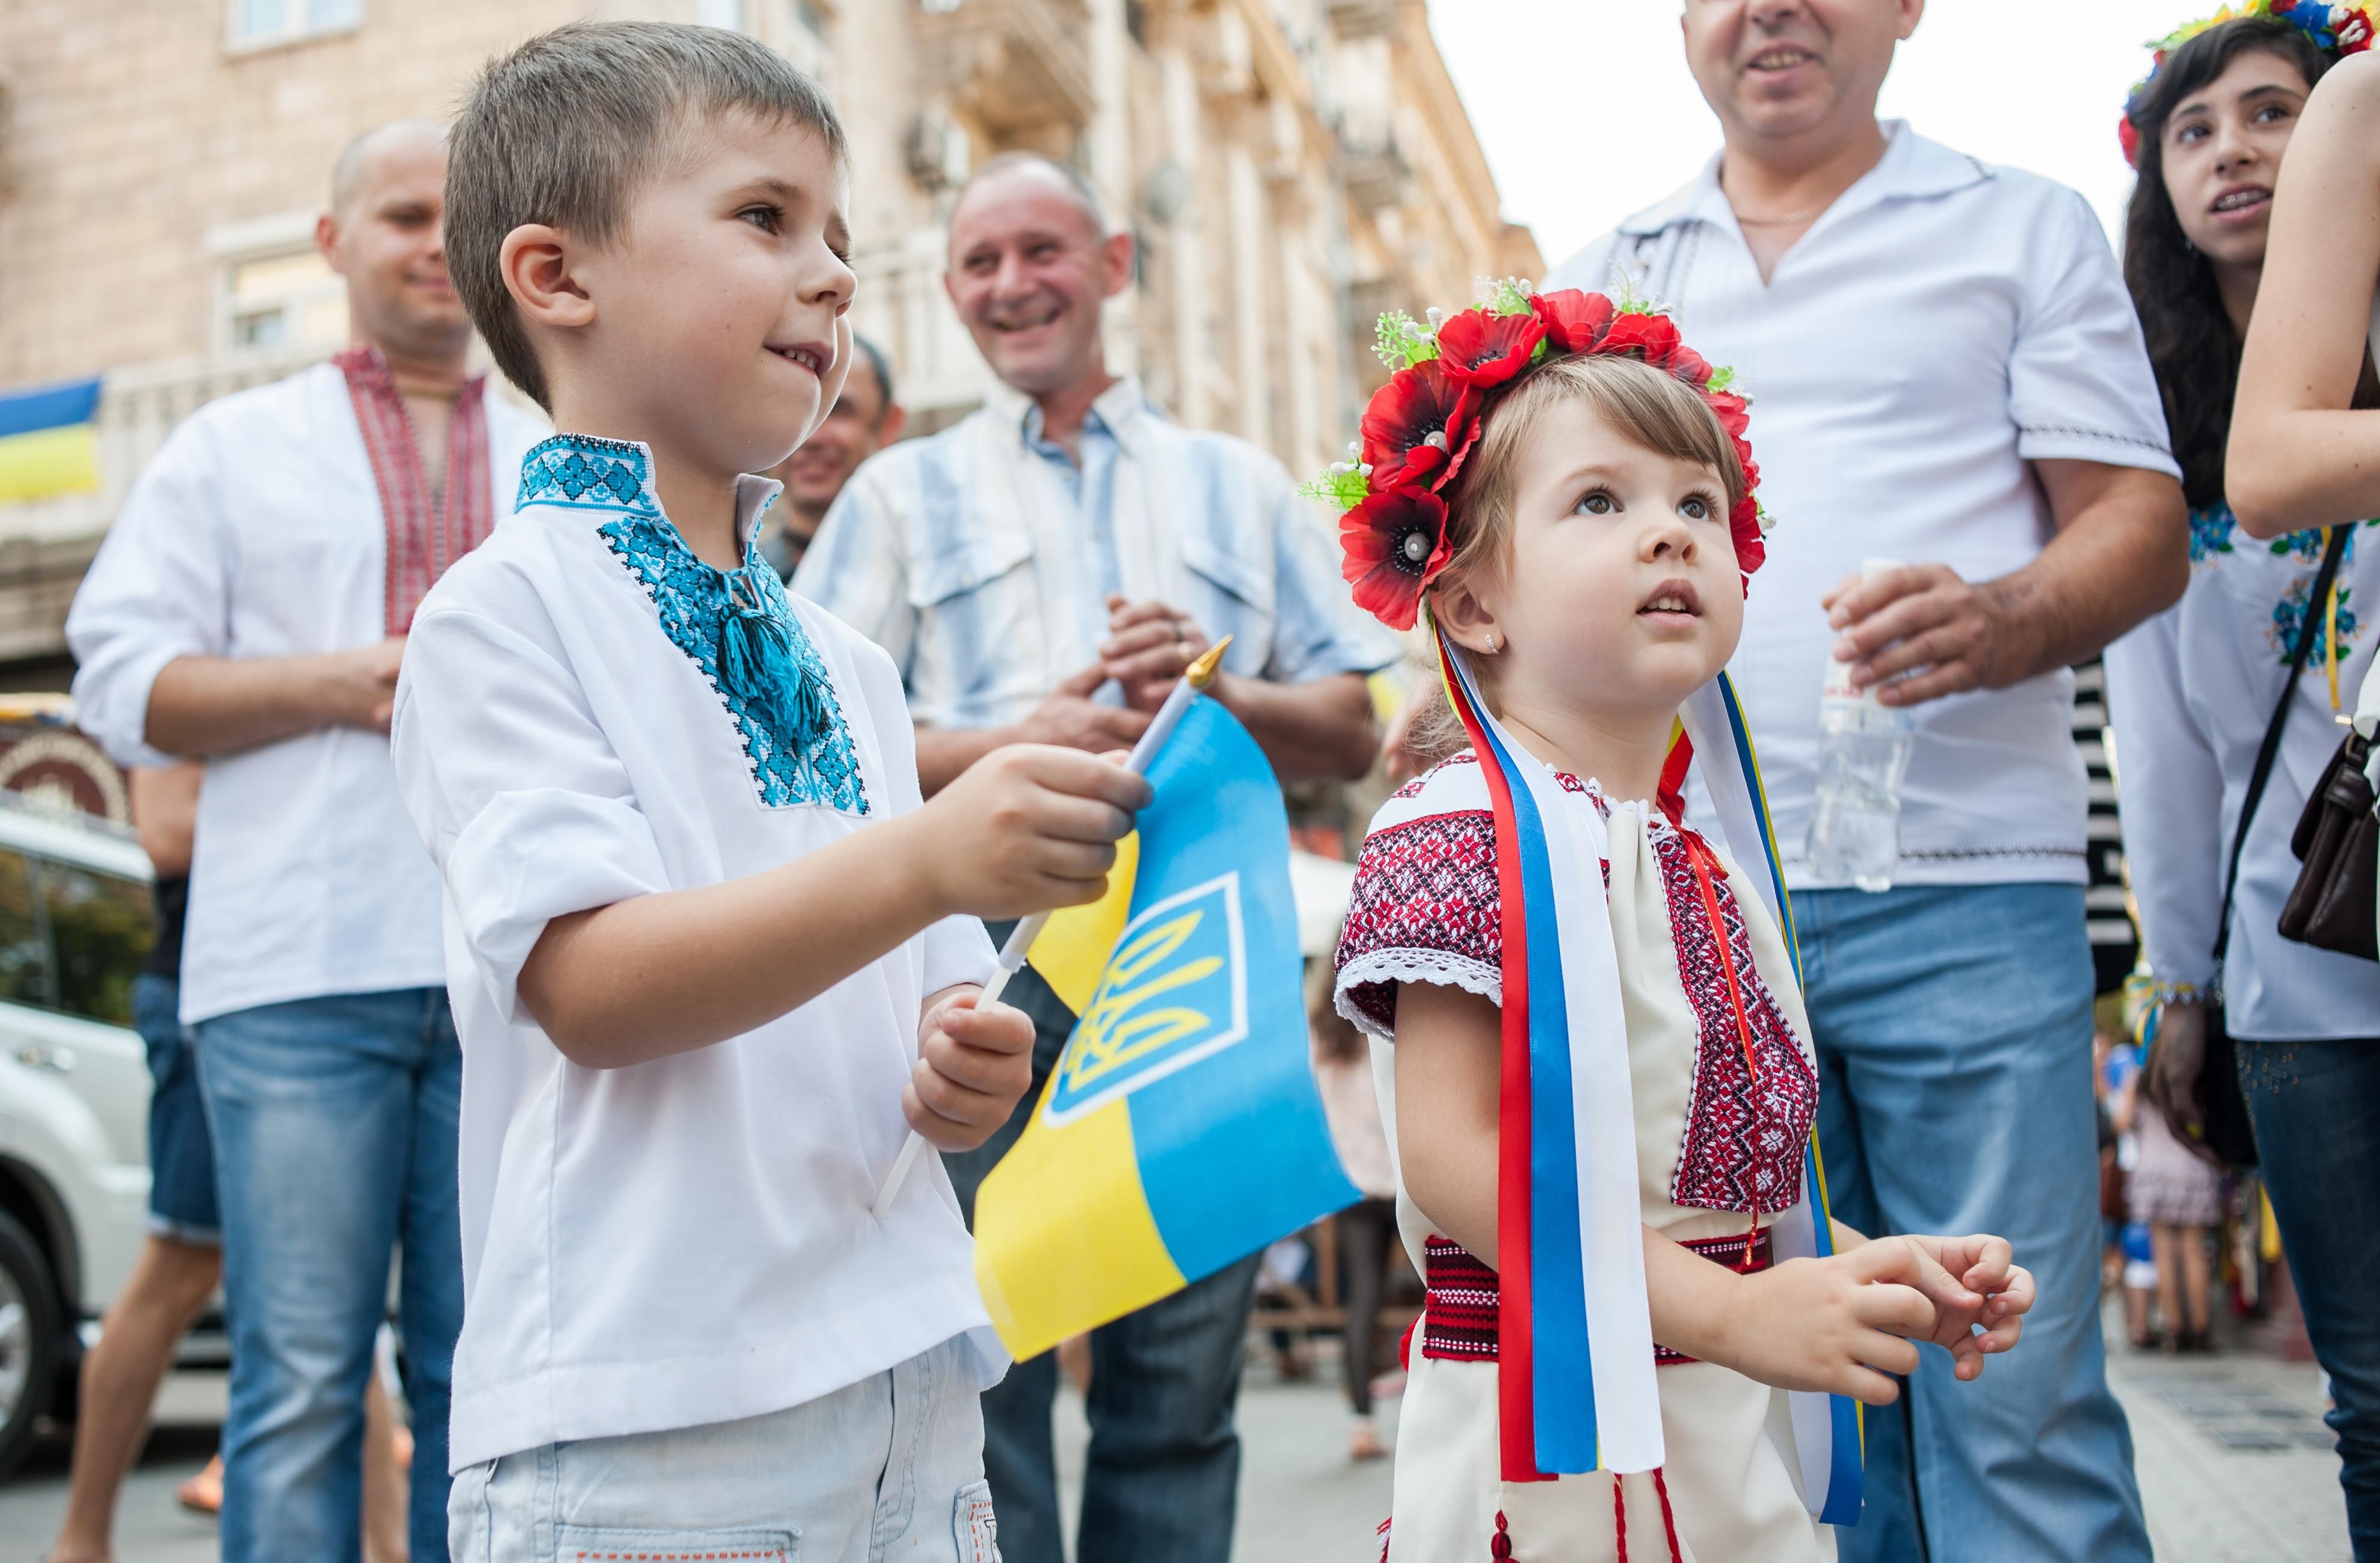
<point x="1830" y="1324"/>
<point x="1992" y="1290"/>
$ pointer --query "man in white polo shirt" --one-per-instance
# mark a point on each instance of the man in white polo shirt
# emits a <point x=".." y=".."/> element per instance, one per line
<point x="249" y="606"/>
<point x="1947" y="372"/>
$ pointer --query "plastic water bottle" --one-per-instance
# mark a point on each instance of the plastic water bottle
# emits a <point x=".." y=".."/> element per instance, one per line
<point x="1862" y="755"/>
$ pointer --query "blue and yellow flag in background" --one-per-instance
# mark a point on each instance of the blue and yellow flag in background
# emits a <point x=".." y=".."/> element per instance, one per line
<point x="1181" y="1130"/>
<point x="48" y="444"/>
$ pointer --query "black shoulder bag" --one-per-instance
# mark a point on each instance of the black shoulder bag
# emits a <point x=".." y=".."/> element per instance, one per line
<point x="2222" y="1106"/>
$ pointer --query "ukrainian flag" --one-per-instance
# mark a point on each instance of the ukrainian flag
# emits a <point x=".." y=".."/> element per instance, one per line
<point x="47" y="442"/>
<point x="1181" y="1130"/>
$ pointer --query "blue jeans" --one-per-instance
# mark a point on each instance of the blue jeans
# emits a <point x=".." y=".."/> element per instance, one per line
<point x="1953" y="1032"/>
<point x="181" y="1152"/>
<point x="335" y="1124"/>
<point x="1161" y="1483"/>
<point x="2316" y="1107"/>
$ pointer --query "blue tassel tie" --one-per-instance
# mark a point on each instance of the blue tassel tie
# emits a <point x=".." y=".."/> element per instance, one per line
<point x="757" y="662"/>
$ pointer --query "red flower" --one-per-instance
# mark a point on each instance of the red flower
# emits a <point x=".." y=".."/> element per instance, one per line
<point x="1734" y="414"/>
<point x="1419" y="427"/>
<point x="1483" y="350"/>
<point x="2128" y="136"/>
<point x="1654" y="336"/>
<point x="1574" y="321"/>
<point x="1690" y="367"/>
<point x="2353" y="30"/>
<point x="1751" y="550"/>
<point x="1394" y="541"/>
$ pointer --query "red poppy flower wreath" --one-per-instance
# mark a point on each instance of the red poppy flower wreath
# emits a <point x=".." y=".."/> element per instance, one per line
<point x="1421" y="427"/>
<point x="2338" y="30"/>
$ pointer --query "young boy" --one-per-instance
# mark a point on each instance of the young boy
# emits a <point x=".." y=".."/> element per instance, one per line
<point x="709" y="958"/>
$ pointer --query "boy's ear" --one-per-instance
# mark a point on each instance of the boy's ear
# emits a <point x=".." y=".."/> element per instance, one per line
<point x="536" y="263"/>
<point x="1466" y="620"/>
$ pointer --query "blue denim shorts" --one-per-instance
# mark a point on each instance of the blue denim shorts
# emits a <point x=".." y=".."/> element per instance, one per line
<point x="181" y="1151"/>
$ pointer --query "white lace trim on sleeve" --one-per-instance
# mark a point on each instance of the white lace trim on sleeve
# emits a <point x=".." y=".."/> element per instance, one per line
<point x="1412" y="965"/>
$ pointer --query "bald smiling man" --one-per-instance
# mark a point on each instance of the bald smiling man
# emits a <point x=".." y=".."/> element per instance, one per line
<point x="249" y="608"/>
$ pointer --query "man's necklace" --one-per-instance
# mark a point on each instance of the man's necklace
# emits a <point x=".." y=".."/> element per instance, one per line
<point x="1784" y="221"/>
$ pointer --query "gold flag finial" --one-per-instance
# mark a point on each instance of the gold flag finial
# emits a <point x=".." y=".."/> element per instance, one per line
<point x="1202" y="672"/>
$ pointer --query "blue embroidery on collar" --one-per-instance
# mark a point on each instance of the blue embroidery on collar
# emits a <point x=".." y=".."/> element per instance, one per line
<point x="815" y="765"/>
<point x="583" y="472"/>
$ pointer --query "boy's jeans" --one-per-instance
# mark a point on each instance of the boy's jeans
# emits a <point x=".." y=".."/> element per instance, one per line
<point x="335" y="1125"/>
<point x="889" y="1468"/>
<point x="1954" y="1055"/>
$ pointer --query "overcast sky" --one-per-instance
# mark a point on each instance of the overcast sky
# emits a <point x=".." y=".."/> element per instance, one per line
<point x="1587" y="111"/>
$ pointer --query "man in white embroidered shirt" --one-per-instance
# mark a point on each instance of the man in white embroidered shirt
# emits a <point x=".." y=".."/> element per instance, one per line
<point x="1044" y="571"/>
<point x="1951" y="376"/>
<point x="249" y="606"/>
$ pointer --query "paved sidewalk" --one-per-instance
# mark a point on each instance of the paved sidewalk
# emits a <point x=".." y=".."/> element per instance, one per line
<point x="2235" y="1466"/>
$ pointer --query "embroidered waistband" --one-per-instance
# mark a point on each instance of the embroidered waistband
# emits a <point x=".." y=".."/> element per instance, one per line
<point x="1458" y="1320"/>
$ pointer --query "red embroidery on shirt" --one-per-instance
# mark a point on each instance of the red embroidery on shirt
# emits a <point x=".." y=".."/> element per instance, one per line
<point x="1428" y="887"/>
<point x="1747" y="1117"/>
<point x="420" y="544"/>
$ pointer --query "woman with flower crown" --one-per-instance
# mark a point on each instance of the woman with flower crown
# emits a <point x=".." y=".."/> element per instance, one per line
<point x="2300" y="468"/>
<point x="1591" y="1050"/>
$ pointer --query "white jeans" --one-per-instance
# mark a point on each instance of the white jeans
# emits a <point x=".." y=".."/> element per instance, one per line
<point x="890" y="1468"/>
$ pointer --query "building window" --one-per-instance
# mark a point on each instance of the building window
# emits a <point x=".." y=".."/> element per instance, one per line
<point x="256" y="24"/>
<point x="287" y="300"/>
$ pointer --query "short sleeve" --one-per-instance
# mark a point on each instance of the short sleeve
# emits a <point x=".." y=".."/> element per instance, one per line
<point x="1425" y="908"/>
<point x="160" y="588"/>
<point x="2171" y="802"/>
<point x="1317" y="630"/>
<point x="2079" y="385"/>
<point x="514" y="789"/>
<point x="856" y="568"/>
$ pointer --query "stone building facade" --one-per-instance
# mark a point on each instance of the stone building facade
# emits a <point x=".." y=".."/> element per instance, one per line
<point x="1289" y="167"/>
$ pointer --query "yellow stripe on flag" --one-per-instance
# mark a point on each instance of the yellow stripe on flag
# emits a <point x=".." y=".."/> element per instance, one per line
<point x="49" y="461"/>
<point x="1072" y="951"/>
<point x="1082" y="1179"/>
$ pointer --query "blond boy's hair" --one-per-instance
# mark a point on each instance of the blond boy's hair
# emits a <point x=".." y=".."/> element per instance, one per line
<point x="564" y="130"/>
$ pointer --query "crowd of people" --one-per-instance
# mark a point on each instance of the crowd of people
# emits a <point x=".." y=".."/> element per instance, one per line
<point x="577" y="871"/>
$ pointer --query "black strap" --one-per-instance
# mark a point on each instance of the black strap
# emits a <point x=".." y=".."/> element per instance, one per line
<point x="2317" y="602"/>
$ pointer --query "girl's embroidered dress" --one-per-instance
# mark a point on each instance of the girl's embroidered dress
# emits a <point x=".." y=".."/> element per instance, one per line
<point x="1724" y="1096"/>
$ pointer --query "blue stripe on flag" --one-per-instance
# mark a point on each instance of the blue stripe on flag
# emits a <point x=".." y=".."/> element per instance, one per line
<point x="1568" y="1441"/>
<point x="48" y="407"/>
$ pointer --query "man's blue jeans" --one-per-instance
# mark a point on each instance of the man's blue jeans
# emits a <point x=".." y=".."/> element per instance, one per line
<point x="1953" y="1031"/>
<point x="335" y="1125"/>
<point x="1161" y="1483"/>
<point x="2316" y="1107"/>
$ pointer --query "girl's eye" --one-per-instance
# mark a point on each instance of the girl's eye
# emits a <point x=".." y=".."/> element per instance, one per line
<point x="1695" y="508"/>
<point x="2190" y="133"/>
<point x="2271" y="113"/>
<point x="1597" y="503"/>
<point x="761" y="217"/>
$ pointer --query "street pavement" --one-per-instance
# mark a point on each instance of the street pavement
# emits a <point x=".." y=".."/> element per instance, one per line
<point x="2235" y="1467"/>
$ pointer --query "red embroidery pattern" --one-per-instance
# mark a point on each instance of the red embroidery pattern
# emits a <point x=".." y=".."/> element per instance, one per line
<point x="1413" y="788"/>
<point x="1429" y="887"/>
<point x="1459" y="1316"/>
<point x="1744" y="1133"/>
<point x="1458" y="1320"/>
<point x="421" y="545"/>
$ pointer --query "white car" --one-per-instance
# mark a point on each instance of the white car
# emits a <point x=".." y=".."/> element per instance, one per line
<point x="76" y="923"/>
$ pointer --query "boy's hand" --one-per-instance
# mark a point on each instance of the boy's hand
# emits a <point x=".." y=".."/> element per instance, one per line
<point x="974" y="1065"/>
<point x="1027" y="827"/>
<point x="1830" y="1324"/>
<point x="1973" y="1280"/>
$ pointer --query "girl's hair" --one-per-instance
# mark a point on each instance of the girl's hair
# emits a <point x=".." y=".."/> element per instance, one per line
<point x="2189" y="339"/>
<point x="1647" y="407"/>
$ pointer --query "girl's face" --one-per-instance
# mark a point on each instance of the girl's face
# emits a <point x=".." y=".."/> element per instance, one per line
<point x="1620" y="593"/>
<point x="2222" y="148"/>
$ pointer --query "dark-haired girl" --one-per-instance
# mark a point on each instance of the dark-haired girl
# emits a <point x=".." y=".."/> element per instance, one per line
<point x="2193" y="691"/>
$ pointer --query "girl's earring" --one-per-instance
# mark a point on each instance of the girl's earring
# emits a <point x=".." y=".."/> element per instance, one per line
<point x="1491" y="642"/>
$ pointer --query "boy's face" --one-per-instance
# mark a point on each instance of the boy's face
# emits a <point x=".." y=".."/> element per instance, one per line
<point x="719" y="310"/>
<point x="1622" y="560"/>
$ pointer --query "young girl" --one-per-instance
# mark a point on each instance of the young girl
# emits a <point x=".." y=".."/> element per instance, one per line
<point x="1600" y="1093"/>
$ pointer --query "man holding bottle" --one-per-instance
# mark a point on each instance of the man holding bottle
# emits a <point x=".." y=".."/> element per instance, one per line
<point x="1948" y="372"/>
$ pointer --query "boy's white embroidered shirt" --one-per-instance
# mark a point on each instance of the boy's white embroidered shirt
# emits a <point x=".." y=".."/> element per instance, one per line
<point x="257" y="531"/>
<point x="685" y="1241"/>
<point x="1946" y="324"/>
